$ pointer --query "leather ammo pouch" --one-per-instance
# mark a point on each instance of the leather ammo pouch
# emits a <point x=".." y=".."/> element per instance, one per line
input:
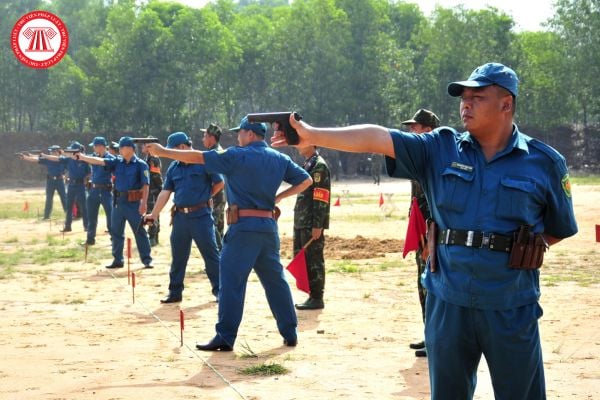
<point x="134" y="195"/>
<point x="432" y="230"/>
<point x="527" y="250"/>
<point x="232" y="214"/>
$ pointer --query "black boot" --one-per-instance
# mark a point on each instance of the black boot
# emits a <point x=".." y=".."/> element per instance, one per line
<point x="311" y="304"/>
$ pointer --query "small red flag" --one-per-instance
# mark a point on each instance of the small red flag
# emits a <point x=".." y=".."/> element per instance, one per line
<point x="337" y="202"/>
<point x="380" y="199"/>
<point x="297" y="268"/>
<point x="26" y="206"/>
<point x="415" y="234"/>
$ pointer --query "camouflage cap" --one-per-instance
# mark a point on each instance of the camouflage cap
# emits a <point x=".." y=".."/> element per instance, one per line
<point x="213" y="130"/>
<point x="424" y="117"/>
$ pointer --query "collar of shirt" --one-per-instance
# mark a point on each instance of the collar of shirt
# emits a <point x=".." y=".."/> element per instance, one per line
<point x="516" y="141"/>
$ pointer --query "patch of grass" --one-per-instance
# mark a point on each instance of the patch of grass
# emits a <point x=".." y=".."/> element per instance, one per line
<point x="54" y="241"/>
<point x="585" y="179"/>
<point x="13" y="239"/>
<point x="76" y="301"/>
<point x="47" y="256"/>
<point x="6" y="272"/>
<point x="12" y="259"/>
<point x="265" y="370"/>
<point x="343" y="267"/>
<point x="247" y="352"/>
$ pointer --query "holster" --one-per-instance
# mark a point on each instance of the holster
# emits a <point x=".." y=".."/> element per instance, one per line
<point x="172" y="213"/>
<point x="432" y="230"/>
<point x="528" y="249"/>
<point x="232" y="214"/>
<point x="134" y="195"/>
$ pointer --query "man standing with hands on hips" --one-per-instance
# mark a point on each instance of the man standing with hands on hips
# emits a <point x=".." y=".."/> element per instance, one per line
<point x="131" y="196"/>
<point x="254" y="173"/>
<point x="498" y="198"/>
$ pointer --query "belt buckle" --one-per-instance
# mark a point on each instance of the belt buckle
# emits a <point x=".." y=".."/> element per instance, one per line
<point x="485" y="240"/>
<point x="469" y="242"/>
<point x="186" y="210"/>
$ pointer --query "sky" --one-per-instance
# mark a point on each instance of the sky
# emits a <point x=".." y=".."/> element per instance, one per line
<point x="527" y="14"/>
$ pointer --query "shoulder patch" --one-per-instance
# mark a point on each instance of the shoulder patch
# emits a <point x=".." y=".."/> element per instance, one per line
<point x="317" y="177"/>
<point x="566" y="185"/>
<point x="146" y="173"/>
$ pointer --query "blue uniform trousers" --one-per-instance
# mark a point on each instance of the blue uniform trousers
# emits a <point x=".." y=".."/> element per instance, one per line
<point x="53" y="185"/>
<point x="456" y="337"/>
<point x="200" y="229"/>
<point x="125" y="211"/>
<point x="241" y="252"/>
<point x="76" y="193"/>
<point x="95" y="198"/>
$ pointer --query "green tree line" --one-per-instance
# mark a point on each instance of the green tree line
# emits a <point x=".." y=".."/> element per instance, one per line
<point x="156" y="67"/>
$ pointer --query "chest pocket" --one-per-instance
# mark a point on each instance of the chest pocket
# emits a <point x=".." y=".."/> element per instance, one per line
<point x="516" y="199"/>
<point x="456" y="186"/>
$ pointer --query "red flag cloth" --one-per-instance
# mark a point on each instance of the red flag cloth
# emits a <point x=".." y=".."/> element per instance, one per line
<point x="380" y="199"/>
<point x="297" y="268"/>
<point x="337" y="202"/>
<point x="26" y="206"/>
<point x="415" y="234"/>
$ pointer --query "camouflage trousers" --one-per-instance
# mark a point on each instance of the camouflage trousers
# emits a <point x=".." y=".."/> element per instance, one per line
<point x="315" y="261"/>
<point x="218" y="214"/>
<point x="421" y="265"/>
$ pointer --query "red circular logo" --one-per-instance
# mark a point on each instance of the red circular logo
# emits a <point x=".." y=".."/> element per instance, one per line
<point x="39" y="39"/>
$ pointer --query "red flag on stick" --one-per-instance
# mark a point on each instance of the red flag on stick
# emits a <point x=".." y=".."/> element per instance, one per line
<point x="26" y="206"/>
<point x="380" y="199"/>
<point x="337" y="202"/>
<point x="133" y="286"/>
<point x="298" y="269"/>
<point x="417" y="229"/>
<point x="181" y="325"/>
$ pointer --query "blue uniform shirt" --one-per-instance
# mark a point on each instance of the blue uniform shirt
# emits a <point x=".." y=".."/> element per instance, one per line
<point x="191" y="183"/>
<point x="54" y="168"/>
<point x="78" y="170"/>
<point x="526" y="183"/>
<point x="132" y="175"/>
<point x="254" y="173"/>
<point x="101" y="174"/>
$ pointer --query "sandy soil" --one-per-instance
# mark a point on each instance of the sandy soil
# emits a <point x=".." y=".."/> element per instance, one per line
<point x="71" y="330"/>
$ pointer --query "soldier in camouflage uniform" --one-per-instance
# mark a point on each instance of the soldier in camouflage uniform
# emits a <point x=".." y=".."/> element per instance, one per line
<point x="423" y="121"/>
<point x="210" y="140"/>
<point x="156" y="183"/>
<point x="311" y="217"/>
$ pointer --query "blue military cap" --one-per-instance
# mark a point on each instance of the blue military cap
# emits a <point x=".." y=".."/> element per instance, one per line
<point x="99" y="140"/>
<point x="177" y="138"/>
<point x="75" y="145"/>
<point x="126" y="141"/>
<point x="258" y="128"/>
<point x="486" y="75"/>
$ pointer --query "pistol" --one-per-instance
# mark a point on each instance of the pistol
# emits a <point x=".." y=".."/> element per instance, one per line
<point x="283" y="119"/>
<point x="72" y="151"/>
<point x="144" y="140"/>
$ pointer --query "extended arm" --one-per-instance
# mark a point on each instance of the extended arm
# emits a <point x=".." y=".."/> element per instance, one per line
<point x="355" y="138"/>
<point x="187" y="156"/>
<point x="89" y="159"/>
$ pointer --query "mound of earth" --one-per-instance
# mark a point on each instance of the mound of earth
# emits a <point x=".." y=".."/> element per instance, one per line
<point x="358" y="248"/>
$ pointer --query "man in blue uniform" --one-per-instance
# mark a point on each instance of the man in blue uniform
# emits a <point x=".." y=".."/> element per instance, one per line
<point x="485" y="187"/>
<point x="253" y="174"/>
<point x="100" y="190"/>
<point x="191" y="217"/>
<point x="131" y="195"/>
<point x="78" y="172"/>
<point x="54" y="179"/>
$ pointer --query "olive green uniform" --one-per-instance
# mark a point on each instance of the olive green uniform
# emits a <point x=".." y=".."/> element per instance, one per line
<point x="312" y="211"/>
<point x="218" y="211"/>
<point x="155" y="188"/>
<point x="417" y="191"/>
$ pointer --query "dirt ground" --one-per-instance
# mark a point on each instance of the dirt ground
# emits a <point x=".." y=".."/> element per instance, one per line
<point x="71" y="329"/>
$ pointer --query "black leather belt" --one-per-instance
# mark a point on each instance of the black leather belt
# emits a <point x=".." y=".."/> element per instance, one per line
<point x="55" y="178"/>
<point x="105" y="186"/>
<point x="76" y="181"/>
<point x="120" y="194"/>
<point x="187" y="210"/>
<point x="482" y="240"/>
